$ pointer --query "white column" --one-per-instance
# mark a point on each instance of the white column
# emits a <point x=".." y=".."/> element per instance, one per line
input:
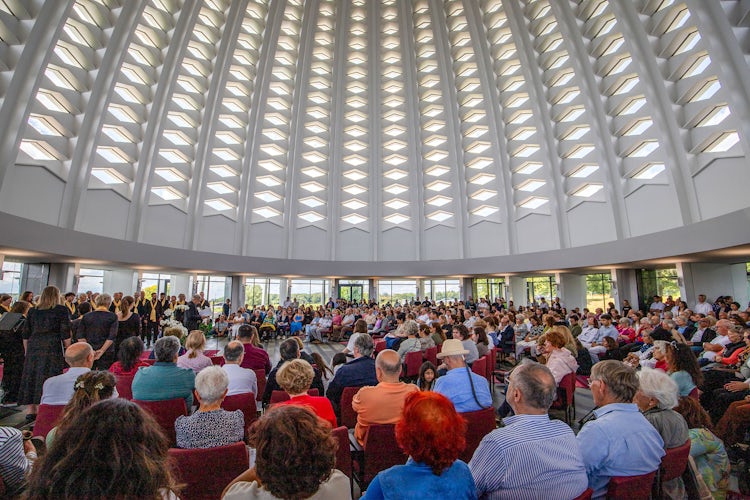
<point x="518" y="292"/>
<point x="572" y="290"/>
<point x="119" y="280"/>
<point x="625" y="287"/>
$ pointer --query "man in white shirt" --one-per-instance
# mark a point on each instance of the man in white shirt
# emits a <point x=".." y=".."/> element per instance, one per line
<point x="657" y="305"/>
<point x="702" y="307"/>
<point x="241" y="380"/>
<point x="711" y="349"/>
<point x="58" y="390"/>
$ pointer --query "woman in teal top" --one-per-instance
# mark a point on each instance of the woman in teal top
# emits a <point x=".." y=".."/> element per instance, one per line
<point x="706" y="449"/>
<point x="683" y="367"/>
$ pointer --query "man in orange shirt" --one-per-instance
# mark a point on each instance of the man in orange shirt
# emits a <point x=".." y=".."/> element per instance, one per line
<point x="383" y="403"/>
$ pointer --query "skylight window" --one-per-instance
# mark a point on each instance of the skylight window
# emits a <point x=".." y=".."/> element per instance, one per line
<point x="643" y="149"/>
<point x="167" y="193"/>
<point x="534" y="202"/>
<point x="531" y="185"/>
<point x="354" y="204"/>
<point x="587" y="190"/>
<point x="311" y="216"/>
<point x="219" y="204"/>
<point x="266" y="212"/>
<point x="267" y="196"/>
<point x="723" y="143"/>
<point x="354" y="219"/>
<point x="650" y="171"/>
<point x="123" y="113"/>
<point x="108" y="176"/>
<point x="483" y="195"/>
<point x="46" y="125"/>
<point x="313" y="187"/>
<point x="118" y="134"/>
<point x="715" y="116"/>
<point x="173" y="156"/>
<point x="584" y="171"/>
<point x="312" y="201"/>
<point x="53" y="101"/>
<point x="396" y="219"/>
<point x="484" y="210"/>
<point x="112" y="154"/>
<point x="440" y="216"/>
<point x="223" y="171"/>
<point x="396" y="204"/>
<point x="170" y="174"/>
<point x="529" y="167"/>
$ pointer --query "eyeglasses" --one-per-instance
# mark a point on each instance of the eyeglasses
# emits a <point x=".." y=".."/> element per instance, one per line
<point x="592" y="380"/>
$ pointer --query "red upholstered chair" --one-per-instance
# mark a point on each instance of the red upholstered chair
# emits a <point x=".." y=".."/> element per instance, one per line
<point x="480" y="367"/>
<point x="165" y="412"/>
<point x="673" y="465"/>
<point x="278" y="397"/>
<point x="491" y="360"/>
<point x="348" y="415"/>
<point x="149" y="361"/>
<point x="412" y="363"/>
<point x="47" y="417"/>
<point x="246" y="403"/>
<point x="313" y="392"/>
<point x="631" y="487"/>
<point x="439" y="348"/>
<point x="695" y="394"/>
<point x="343" y="453"/>
<point x="260" y="374"/>
<point x="586" y="495"/>
<point x="124" y="386"/>
<point x="478" y="424"/>
<point x="431" y="355"/>
<point x="379" y="346"/>
<point x="566" y="397"/>
<point x="205" y="472"/>
<point x="3" y="490"/>
<point x="380" y="452"/>
<point x="217" y="360"/>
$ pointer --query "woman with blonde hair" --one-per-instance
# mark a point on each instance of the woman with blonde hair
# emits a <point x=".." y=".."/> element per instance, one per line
<point x="295" y="377"/>
<point x="45" y="333"/>
<point x="194" y="357"/>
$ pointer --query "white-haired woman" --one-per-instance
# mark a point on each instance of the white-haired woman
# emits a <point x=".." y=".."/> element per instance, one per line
<point x="210" y="426"/>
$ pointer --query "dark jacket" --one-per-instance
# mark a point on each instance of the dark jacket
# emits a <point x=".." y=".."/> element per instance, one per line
<point x="356" y="373"/>
<point x="192" y="317"/>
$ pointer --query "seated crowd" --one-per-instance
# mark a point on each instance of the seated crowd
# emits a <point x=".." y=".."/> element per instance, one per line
<point x="659" y="379"/>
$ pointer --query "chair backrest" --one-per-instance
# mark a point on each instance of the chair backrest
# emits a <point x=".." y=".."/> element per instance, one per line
<point x="674" y="462"/>
<point x="343" y="453"/>
<point x="217" y="360"/>
<point x="478" y="424"/>
<point x="695" y="394"/>
<point x="480" y="367"/>
<point x="379" y="346"/>
<point x="413" y="361"/>
<point x="567" y="388"/>
<point x="260" y="374"/>
<point x="245" y="402"/>
<point x="205" y="472"/>
<point x="47" y="417"/>
<point x="491" y="361"/>
<point x="278" y="397"/>
<point x="431" y="355"/>
<point x="631" y="487"/>
<point x="348" y="415"/>
<point x="149" y="361"/>
<point x="165" y="412"/>
<point x="125" y="386"/>
<point x="313" y="391"/>
<point x="381" y="451"/>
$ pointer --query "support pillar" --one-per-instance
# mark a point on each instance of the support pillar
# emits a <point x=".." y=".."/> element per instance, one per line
<point x="518" y="293"/>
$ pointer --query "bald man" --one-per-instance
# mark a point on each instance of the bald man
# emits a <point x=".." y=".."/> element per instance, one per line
<point x="58" y="390"/>
<point x="383" y="403"/>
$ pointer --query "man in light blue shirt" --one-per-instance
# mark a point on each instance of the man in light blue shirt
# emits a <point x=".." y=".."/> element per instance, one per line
<point x="606" y="329"/>
<point x="532" y="456"/>
<point x="467" y="390"/>
<point x="620" y="442"/>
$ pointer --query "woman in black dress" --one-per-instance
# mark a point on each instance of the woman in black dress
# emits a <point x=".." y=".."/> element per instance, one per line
<point x="99" y="329"/>
<point x="129" y="323"/>
<point x="45" y="332"/>
<point x="13" y="357"/>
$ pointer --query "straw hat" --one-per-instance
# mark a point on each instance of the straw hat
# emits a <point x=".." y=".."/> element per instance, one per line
<point x="452" y="347"/>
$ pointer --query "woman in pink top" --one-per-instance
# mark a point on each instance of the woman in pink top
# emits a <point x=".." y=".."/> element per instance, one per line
<point x="194" y="357"/>
<point x="295" y="377"/>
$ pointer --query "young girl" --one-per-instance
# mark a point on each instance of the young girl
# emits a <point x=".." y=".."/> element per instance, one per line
<point x="339" y="360"/>
<point x="427" y="376"/>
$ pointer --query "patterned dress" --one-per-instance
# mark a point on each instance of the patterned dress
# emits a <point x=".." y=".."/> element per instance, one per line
<point x="711" y="459"/>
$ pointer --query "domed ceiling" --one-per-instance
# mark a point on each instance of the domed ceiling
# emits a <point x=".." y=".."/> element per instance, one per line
<point x="373" y="130"/>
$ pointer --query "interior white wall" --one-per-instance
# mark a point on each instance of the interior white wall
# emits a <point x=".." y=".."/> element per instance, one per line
<point x="572" y="289"/>
<point x="120" y="280"/>
<point x="713" y="280"/>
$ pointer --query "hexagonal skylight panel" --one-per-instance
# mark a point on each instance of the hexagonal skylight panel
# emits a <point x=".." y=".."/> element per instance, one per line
<point x="534" y="202"/>
<point x="576" y="133"/>
<point x="312" y="201"/>
<point x="355" y="131"/>
<point x="482" y="179"/>
<point x="529" y="167"/>
<point x="476" y="131"/>
<point x="479" y="163"/>
<point x="584" y="171"/>
<point x="523" y="133"/>
<point x="396" y="218"/>
<point x="170" y="174"/>
<point x="354" y="219"/>
<point x="314" y="157"/>
<point x="395" y="174"/>
<point x="311" y="216"/>
<point x="478" y="147"/>
<point x="484" y="210"/>
<point x="266" y="212"/>
<point x="520" y="117"/>
<point x="650" y="171"/>
<point x="270" y="165"/>
<point x="355" y="175"/>
<point x="315" y="142"/>
<point x="111" y="154"/>
<point x="437" y="170"/>
<point x="439" y="201"/>
<point x="531" y="185"/>
<point x="223" y="171"/>
<point x="230" y="121"/>
<point x="277" y="119"/>
<point x="438" y="186"/>
<point x="396" y="204"/>
<point x="355" y="117"/>
<point x="219" y="204"/>
<point x="571" y="114"/>
<point x="393" y="116"/>
<point x="167" y="193"/>
<point x="313" y="187"/>
<point x="434" y="125"/>
<point x="436" y="155"/>
<point x="225" y="154"/>
<point x="484" y="195"/>
<point x="587" y="190"/>
<point x="314" y="172"/>
<point x="355" y="189"/>
<point x="643" y="149"/>
<point x="474" y="116"/>
<point x="221" y="187"/>
<point x="268" y="196"/>
<point x="395" y="159"/>
<point x="396" y="189"/>
<point x="435" y="140"/>
<point x="315" y="127"/>
<point x="355" y="146"/>
<point x="354" y="204"/>
<point x="394" y="131"/>
<point x="317" y="112"/>
<point x="354" y="160"/>
<point x="269" y="180"/>
<point x="440" y="216"/>
<point x="393" y="86"/>
<point x="578" y="152"/>
<point x="273" y="149"/>
<point x="108" y="176"/>
<point x="525" y="151"/>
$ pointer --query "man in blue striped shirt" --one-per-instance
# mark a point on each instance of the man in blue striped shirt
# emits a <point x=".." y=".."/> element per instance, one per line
<point x="531" y="457"/>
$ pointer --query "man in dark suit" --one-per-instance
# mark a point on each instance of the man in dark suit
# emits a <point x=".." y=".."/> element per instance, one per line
<point x="192" y="315"/>
<point x="356" y="373"/>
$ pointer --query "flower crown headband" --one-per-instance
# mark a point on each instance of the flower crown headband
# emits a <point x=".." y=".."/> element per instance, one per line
<point x="80" y="385"/>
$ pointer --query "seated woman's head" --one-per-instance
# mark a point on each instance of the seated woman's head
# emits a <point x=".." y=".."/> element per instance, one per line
<point x="113" y="449"/>
<point x="295" y="376"/>
<point x="421" y="432"/>
<point x="130" y="352"/>
<point x="166" y="349"/>
<point x="693" y="413"/>
<point x="196" y="342"/>
<point x="89" y="388"/>
<point x="292" y="475"/>
<point x="656" y="389"/>
<point x="555" y="338"/>
<point x="211" y="384"/>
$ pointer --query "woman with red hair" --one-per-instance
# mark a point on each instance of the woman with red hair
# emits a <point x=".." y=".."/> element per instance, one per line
<point x="433" y="435"/>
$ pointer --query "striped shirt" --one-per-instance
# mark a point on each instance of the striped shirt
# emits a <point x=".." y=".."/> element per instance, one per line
<point x="531" y="457"/>
<point x="13" y="461"/>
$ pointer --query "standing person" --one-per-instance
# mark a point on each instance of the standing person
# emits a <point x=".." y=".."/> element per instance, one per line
<point x="69" y="298"/>
<point x="99" y="328"/>
<point x="46" y="330"/>
<point x="151" y="333"/>
<point x="13" y="356"/>
<point x="128" y="322"/>
<point x="193" y="315"/>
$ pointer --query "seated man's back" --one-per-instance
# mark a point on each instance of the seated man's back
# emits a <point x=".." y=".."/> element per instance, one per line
<point x="164" y="381"/>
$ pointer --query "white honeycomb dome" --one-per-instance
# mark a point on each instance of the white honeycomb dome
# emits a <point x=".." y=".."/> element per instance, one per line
<point x="378" y="137"/>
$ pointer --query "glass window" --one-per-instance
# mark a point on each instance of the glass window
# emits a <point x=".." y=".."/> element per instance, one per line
<point x="261" y="291"/>
<point x="445" y="290"/>
<point x="540" y="286"/>
<point x="309" y="292"/>
<point x="489" y="288"/>
<point x="10" y="279"/>
<point x="91" y="280"/>
<point x="156" y="283"/>
<point x="400" y="291"/>
<point x="598" y="291"/>
<point x="214" y="289"/>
